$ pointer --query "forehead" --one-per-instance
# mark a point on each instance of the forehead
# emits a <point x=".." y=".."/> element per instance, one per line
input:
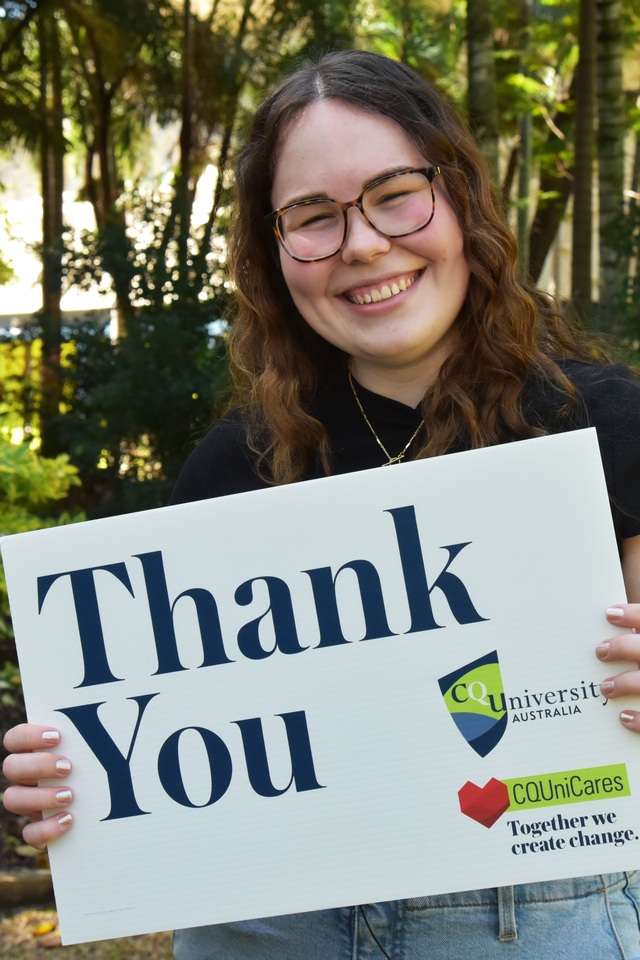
<point x="334" y="148"/>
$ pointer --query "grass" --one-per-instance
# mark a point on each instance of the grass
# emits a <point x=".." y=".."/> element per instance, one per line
<point x="24" y="932"/>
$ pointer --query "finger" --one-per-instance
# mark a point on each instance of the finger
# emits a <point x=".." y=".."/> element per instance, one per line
<point x="624" y="647"/>
<point x="30" y="800"/>
<point x="624" y="615"/>
<point x="631" y="720"/>
<point x="28" y="768"/>
<point x="42" y="832"/>
<point x="621" y="685"/>
<point x="30" y="736"/>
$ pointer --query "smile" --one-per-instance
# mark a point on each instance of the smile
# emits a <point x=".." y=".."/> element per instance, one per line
<point x="386" y="291"/>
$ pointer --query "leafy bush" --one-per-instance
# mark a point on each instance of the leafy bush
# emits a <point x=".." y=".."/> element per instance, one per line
<point x="30" y="489"/>
<point x="135" y="408"/>
<point x="29" y="486"/>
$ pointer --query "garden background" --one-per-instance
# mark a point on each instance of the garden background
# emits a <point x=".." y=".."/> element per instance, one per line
<point x="119" y="122"/>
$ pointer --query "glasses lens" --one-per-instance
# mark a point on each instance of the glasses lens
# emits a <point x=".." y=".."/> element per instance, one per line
<point x="400" y="204"/>
<point x="312" y="230"/>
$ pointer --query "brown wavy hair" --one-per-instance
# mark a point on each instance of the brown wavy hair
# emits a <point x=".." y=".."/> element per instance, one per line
<point x="509" y="332"/>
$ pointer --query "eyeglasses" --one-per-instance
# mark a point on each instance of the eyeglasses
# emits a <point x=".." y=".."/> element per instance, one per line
<point x="395" y="205"/>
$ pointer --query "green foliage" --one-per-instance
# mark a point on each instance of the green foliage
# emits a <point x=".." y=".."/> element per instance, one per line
<point x="10" y="686"/>
<point x="430" y="37"/>
<point x="624" y="237"/>
<point x="132" y="410"/>
<point x="30" y="486"/>
<point x="140" y="404"/>
<point x="28" y="481"/>
<point x="6" y="272"/>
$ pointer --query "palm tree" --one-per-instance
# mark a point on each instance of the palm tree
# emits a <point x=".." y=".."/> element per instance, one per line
<point x="52" y="181"/>
<point x="581" y="274"/>
<point x="611" y="133"/>
<point x="483" y="108"/>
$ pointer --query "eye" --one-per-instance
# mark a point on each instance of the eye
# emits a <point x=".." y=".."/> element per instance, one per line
<point x="387" y="197"/>
<point x="316" y="218"/>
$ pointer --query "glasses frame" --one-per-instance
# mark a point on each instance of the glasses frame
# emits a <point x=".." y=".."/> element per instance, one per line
<point x="430" y="172"/>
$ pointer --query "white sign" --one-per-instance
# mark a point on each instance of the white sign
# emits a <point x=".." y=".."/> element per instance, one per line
<point x="368" y="687"/>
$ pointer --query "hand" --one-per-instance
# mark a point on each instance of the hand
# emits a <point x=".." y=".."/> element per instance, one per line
<point x="33" y="757"/>
<point x="624" y="647"/>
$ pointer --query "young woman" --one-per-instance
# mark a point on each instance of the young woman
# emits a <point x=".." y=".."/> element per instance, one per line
<point x="380" y="319"/>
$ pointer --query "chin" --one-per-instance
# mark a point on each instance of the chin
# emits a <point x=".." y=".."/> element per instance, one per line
<point x="399" y="351"/>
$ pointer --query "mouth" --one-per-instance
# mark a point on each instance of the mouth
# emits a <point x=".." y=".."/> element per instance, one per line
<point x="389" y="289"/>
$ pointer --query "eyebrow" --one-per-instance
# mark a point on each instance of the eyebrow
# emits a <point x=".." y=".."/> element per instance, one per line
<point x="325" y="196"/>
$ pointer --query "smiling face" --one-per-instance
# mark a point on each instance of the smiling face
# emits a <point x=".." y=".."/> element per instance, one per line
<point x="390" y="304"/>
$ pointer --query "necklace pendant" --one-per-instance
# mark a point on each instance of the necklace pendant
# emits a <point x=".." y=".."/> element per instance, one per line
<point x="399" y="457"/>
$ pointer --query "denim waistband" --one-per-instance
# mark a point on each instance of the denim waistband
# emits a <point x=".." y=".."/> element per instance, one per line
<point x="523" y="893"/>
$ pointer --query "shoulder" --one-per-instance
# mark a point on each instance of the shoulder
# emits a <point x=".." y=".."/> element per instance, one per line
<point x="600" y="382"/>
<point x="221" y="464"/>
<point x="609" y="396"/>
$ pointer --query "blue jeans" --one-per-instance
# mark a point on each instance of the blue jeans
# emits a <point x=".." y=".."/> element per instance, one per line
<point x="591" y="918"/>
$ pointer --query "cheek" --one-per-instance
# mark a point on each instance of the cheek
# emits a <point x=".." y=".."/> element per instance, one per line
<point x="306" y="282"/>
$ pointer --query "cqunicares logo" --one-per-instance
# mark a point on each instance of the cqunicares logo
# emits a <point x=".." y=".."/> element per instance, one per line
<point x="474" y="697"/>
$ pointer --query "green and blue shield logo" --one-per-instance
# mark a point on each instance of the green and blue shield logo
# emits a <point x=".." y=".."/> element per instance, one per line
<point x="474" y="697"/>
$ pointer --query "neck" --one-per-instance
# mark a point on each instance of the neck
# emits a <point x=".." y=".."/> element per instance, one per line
<point x="407" y="384"/>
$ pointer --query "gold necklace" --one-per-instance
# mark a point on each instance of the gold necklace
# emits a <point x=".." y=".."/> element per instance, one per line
<point x="390" y="459"/>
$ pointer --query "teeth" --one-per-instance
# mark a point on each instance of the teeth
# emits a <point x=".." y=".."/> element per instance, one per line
<point x="385" y="292"/>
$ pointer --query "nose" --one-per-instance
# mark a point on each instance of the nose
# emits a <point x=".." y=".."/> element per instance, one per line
<point x="362" y="243"/>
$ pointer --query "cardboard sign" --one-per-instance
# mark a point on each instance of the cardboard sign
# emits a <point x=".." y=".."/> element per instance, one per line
<point x="370" y="687"/>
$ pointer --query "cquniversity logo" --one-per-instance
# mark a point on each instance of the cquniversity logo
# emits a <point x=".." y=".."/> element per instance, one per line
<point x="475" y="699"/>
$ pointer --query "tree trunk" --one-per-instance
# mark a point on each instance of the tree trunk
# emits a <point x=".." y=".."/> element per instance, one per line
<point x="635" y="176"/>
<point x="406" y="30"/>
<point x="524" y="181"/>
<point x="223" y="162"/>
<point x="509" y="177"/>
<point x="611" y="133"/>
<point x="581" y="273"/>
<point x="483" y="106"/>
<point x="115" y="246"/>
<point x="115" y="243"/>
<point x="52" y="183"/>
<point x="556" y="185"/>
<point x="634" y="206"/>
<point x="524" y="168"/>
<point x="184" y="195"/>
<point x="239" y="72"/>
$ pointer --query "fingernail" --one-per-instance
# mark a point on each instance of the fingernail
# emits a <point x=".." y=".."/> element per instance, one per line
<point x="65" y="819"/>
<point x="63" y="766"/>
<point x="63" y="796"/>
<point x="607" y="686"/>
<point x="615" y="612"/>
<point x="51" y="736"/>
<point x="627" y="717"/>
<point x="602" y="650"/>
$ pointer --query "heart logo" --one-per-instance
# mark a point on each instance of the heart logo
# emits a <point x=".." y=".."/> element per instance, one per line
<point x="484" y="804"/>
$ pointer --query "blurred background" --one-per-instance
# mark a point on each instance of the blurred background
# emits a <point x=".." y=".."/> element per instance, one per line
<point x="119" y="121"/>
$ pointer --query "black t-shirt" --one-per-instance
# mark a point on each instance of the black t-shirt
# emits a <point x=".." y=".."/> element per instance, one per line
<point x="609" y="401"/>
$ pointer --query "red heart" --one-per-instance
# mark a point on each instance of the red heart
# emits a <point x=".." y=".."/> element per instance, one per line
<point x="484" y="804"/>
